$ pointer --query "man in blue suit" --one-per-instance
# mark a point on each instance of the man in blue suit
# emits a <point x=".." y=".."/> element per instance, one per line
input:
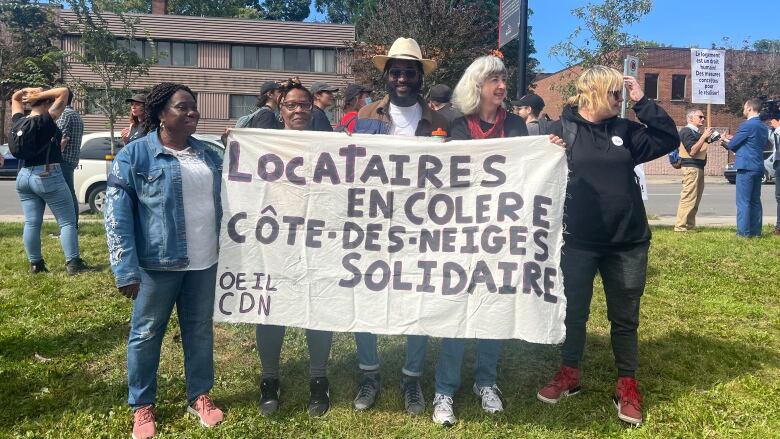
<point x="748" y="145"/>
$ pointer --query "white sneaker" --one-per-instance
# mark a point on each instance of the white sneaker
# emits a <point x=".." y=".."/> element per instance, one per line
<point x="443" y="413"/>
<point x="491" y="398"/>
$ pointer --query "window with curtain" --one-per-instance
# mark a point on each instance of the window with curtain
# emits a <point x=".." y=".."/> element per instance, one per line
<point x="241" y="105"/>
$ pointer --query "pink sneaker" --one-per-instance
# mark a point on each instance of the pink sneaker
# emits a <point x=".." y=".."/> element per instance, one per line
<point x="143" y="422"/>
<point x="628" y="400"/>
<point x="565" y="383"/>
<point x="206" y="411"/>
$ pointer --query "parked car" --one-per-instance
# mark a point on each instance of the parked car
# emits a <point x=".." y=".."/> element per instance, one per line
<point x="769" y="171"/>
<point x="90" y="176"/>
<point x="11" y="164"/>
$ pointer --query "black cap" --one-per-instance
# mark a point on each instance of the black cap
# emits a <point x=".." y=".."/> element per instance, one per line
<point x="354" y="90"/>
<point x="321" y="86"/>
<point x="440" y="93"/>
<point x="268" y="86"/>
<point x="138" y="97"/>
<point x="530" y="100"/>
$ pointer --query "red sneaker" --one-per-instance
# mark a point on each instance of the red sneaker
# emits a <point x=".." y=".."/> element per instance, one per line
<point x="565" y="383"/>
<point x="628" y="400"/>
<point x="143" y="422"/>
<point x="206" y="411"/>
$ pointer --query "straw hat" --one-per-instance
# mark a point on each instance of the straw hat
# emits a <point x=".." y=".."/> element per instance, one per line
<point x="404" y="48"/>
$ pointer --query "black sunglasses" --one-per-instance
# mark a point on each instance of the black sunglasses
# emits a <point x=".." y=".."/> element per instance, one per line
<point x="616" y="94"/>
<point x="410" y="74"/>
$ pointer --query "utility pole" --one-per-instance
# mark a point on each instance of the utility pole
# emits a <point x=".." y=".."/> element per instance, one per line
<point x="522" y="60"/>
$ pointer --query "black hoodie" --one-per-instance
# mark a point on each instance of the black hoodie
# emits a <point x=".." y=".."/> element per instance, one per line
<point x="604" y="207"/>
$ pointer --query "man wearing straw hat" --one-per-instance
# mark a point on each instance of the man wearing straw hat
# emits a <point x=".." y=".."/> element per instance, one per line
<point x="402" y="112"/>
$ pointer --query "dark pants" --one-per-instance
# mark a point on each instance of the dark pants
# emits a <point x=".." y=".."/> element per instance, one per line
<point x="67" y="172"/>
<point x="623" y="273"/>
<point x="777" y="194"/>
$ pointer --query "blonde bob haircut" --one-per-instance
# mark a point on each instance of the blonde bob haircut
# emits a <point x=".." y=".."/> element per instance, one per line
<point x="466" y="95"/>
<point x="593" y="86"/>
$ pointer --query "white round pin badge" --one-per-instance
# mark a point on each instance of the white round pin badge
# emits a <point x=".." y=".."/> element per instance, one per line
<point x="617" y="141"/>
<point x="19" y="133"/>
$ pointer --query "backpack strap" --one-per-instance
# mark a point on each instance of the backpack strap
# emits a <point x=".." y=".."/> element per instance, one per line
<point x="569" y="136"/>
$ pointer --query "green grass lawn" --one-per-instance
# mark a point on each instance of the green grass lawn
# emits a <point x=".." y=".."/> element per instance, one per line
<point x="709" y="358"/>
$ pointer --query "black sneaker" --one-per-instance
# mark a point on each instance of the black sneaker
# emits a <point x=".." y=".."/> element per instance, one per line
<point x="269" y="396"/>
<point x="38" y="267"/>
<point x="413" y="396"/>
<point x="319" y="399"/>
<point x="76" y="266"/>
<point x="368" y="390"/>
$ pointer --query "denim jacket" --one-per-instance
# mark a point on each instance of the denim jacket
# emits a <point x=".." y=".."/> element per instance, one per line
<point x="144" y="210"/>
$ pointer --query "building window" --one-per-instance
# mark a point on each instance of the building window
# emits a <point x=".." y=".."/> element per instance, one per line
<point x="651" y="85"/>
<point x="177" y="54"/>
<point x="283" y="58"/>
<point x="241" y="105"/>
<point x="678" y="87"/>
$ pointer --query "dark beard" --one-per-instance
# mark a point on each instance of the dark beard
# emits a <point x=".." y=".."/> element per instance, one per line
<point x="404" y="101"/>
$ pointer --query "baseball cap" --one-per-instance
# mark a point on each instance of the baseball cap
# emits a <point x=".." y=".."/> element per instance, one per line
<point x="530" y="100"/>
<point x="354" y="90"/>
<point x="321" y="86"/>
<point x="440" y="93"/>
<point x="138" y="97"/>
<point x="268" y="86"/>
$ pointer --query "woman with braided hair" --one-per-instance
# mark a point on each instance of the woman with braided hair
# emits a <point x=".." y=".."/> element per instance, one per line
<point x="296" y="106"/>
<point x="162" y="223"/>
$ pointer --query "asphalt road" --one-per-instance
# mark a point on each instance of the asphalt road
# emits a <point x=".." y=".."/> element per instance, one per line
<point x="718" y="199"/>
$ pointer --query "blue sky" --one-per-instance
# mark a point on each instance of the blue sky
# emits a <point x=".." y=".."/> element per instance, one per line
<point x="681" y="23"/>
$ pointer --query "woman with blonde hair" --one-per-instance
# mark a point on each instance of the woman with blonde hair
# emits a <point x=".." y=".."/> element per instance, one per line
<point x="606" y="223"/>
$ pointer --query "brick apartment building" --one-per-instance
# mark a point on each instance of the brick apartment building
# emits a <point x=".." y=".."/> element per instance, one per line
<point x="223" y="60"/>
<point x="665" y="75"/>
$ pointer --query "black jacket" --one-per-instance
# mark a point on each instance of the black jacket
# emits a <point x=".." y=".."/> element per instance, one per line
<point x="514" y="126"/>
<point x="604" y="207"/>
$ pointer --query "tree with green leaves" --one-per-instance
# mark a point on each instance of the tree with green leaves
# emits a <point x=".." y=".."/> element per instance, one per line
<point x="28" y="57"/>
<point x="114" y="64"/>
<point x="283" y="10"/>
<point x="751" y="72"/>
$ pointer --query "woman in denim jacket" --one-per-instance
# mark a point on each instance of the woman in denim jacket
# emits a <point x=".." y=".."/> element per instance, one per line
<point x="162" y="222"/>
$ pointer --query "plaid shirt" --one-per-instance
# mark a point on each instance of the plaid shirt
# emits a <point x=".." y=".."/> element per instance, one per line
<point x="72" y="127"/>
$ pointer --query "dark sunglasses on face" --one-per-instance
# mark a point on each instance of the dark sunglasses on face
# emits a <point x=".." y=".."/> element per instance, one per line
<point x="291" y="106"/>
<point x="410" y="74"/>
<point x="702" y="117"/>
<point x="616" y="94"/>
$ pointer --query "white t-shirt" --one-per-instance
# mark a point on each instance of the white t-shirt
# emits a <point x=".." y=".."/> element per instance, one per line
<point x="200" y="220"/>
<point x="405" y="119"/>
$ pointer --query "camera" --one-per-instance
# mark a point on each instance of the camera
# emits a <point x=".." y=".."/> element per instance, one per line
<point x="714" y="137"/>
<point x="769" y="110"/>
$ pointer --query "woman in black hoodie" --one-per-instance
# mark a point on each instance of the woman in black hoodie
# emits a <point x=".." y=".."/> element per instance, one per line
<point x="606" y="224"/>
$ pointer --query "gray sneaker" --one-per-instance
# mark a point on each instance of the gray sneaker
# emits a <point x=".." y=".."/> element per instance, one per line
<point x="414" y="402"/>
<point x="491" y="398"/>
<point x="368" y="390"/>
<point x="443" y="413"/>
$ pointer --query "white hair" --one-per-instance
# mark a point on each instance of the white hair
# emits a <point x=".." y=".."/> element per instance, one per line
<point x="692" y="112"/>
<point x="466" y="95"/>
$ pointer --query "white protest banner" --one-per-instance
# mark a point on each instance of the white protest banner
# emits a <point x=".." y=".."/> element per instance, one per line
<point x="708" y="82"/>
<point x="393" y="235"/>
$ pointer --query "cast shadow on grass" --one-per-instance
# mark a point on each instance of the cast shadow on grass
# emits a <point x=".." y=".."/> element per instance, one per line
<point x="55" y="373"/>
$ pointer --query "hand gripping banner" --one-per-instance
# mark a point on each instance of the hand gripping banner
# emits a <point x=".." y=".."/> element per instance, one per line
<point x="393" y="235"/>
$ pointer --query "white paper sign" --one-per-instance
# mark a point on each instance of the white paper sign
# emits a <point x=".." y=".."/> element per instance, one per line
<point x="393" y="235"/>
<point x="708" y="82"/>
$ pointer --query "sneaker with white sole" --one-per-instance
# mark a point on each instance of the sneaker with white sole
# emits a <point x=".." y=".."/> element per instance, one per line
<point x="204" y="408"/>
<point x="443" y="412"/>
<point x="492" y="401"/>
<point x="143" y="422"/>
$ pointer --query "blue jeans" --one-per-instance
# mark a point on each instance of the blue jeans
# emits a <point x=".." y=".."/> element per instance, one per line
<point x="368" y="357"/>
<point x="36" y="189"/>
<point x="451" y="358"/>
<point x="193" y="294"/>
<point x="749" y="212"/>
<point x="67" y="172"/>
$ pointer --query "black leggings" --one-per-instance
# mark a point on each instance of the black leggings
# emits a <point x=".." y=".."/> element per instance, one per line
<point x="269" y="346"/>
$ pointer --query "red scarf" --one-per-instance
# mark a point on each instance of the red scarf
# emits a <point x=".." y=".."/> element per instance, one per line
<point x="496" y="131"/>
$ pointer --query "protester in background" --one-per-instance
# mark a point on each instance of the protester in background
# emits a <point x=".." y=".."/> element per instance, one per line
<point x="162" y="219"/>
<point x="530" y="107"/>
<point x="774" y="122"/>
<point x="266" y="115"/>
<point x="606" y="223"/>
<point x="137" y="128"/>
<point x="296" y="109"/>
<point x="479" y="96"/>
<point x="323" y="99"/>
<point x="355" y="97"/>
<point x="439" y="101"/>
<point x="402" y="112"/>
<point x="693" y="154"/>
<point x="41" y="182"/>
<point x="72" y="128"/>
<point x="748" y="146"/>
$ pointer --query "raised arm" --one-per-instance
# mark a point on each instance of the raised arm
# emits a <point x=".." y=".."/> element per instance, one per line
<point x="60" y="96"/>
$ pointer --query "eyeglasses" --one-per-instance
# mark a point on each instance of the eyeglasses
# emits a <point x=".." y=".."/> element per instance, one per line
<point x="702" y="117"/>
<point x="410" y="74"/>
<point x="616" y="94"/>
<point x="291" y="106"/>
